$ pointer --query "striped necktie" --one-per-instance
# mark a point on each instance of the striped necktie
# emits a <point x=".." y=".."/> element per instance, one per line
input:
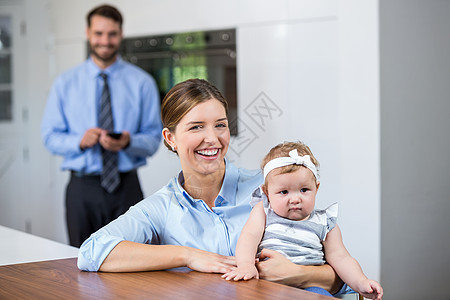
<point x="110" y="177"/>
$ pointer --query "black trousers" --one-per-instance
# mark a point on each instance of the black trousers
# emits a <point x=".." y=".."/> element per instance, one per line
<point x="89" y="207"/>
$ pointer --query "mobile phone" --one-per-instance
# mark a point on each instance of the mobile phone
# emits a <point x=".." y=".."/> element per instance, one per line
<point x="115" y="135"/>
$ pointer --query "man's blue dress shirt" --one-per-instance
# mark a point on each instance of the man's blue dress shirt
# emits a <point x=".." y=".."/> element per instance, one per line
<point x="73" y="105"/>
<point x="172" y="217"/>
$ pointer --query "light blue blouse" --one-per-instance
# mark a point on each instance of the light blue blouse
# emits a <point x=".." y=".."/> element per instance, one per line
<point x="172" y="217"/>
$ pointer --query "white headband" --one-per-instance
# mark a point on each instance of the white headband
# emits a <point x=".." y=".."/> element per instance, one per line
<point x="293" y="159"/>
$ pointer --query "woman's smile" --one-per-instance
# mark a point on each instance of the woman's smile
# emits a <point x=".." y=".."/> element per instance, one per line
<point x="201" y="139"/>
<point x="208" y="153"/>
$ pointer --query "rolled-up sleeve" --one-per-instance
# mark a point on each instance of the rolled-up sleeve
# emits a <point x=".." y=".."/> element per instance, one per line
<point x="94" y="251"/>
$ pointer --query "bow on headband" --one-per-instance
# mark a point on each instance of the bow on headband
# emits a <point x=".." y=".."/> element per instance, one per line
<point x="293" y="159"/>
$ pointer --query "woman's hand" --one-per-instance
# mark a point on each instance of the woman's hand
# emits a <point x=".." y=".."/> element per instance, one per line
<point x="208" y="262"/>
<point x="274" y="266"/>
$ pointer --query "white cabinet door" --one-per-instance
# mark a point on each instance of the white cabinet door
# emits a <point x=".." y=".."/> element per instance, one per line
<point x="14" y="149"/>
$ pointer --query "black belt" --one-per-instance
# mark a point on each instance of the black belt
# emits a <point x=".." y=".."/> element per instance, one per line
<point x="94" y="175"/>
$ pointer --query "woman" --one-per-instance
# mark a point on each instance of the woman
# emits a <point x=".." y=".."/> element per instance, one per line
<point x="195" y="220"/>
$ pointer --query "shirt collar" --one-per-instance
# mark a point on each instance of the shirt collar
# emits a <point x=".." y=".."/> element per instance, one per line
<point x="227" y="194"/>
<point x="228" y="191"/>
<point x="111" y="71"/>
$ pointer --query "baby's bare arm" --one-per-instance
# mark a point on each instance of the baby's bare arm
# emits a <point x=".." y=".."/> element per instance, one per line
<point x="348" y="269"/>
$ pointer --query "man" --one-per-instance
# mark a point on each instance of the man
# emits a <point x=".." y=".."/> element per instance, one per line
<point x="103" y="117"/>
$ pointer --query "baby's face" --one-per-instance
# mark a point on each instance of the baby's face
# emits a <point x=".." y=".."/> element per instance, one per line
<point x="292" y="195"/>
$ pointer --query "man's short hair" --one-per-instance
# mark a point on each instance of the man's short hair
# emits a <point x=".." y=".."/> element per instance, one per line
<point x="106" y="11"/>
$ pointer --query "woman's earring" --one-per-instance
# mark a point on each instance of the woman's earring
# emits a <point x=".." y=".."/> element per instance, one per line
<point x="173" y="148"/>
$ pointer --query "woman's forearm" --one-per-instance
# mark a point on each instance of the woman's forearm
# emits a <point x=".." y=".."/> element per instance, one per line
<point x="134" y="257"/>
<point x="273" y="266"/>
<point x="322" y="276"/>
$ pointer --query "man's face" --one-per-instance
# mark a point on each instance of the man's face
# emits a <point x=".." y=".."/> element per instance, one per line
<point x="104" y="37"/>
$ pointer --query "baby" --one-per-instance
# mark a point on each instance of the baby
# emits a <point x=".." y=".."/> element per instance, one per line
<point x="283" y="219"/>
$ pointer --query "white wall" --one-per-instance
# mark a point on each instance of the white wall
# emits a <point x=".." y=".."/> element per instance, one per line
<point x="415" y="148"/>
<point x="315" y="60"/>
<point x="358" y="110"/>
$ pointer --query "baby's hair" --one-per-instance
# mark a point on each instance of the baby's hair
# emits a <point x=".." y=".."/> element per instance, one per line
<point x="282" y="150"/>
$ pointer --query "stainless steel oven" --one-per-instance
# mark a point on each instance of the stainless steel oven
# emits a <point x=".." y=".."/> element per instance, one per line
<point x="172" y="58"/>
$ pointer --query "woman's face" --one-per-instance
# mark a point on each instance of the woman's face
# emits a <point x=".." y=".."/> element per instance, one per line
<point x="201" y="139"/>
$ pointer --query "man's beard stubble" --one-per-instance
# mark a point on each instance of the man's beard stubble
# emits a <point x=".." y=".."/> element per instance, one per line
<point x="107" y="59"/>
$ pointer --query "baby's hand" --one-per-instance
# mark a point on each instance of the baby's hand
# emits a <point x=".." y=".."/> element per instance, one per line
<point x="371" y="289"/>
<point x="246" y="272"/>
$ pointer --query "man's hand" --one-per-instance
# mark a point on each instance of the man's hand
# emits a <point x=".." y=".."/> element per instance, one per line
<point x="115" y="145"/>
<point x="90" y="138"/>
